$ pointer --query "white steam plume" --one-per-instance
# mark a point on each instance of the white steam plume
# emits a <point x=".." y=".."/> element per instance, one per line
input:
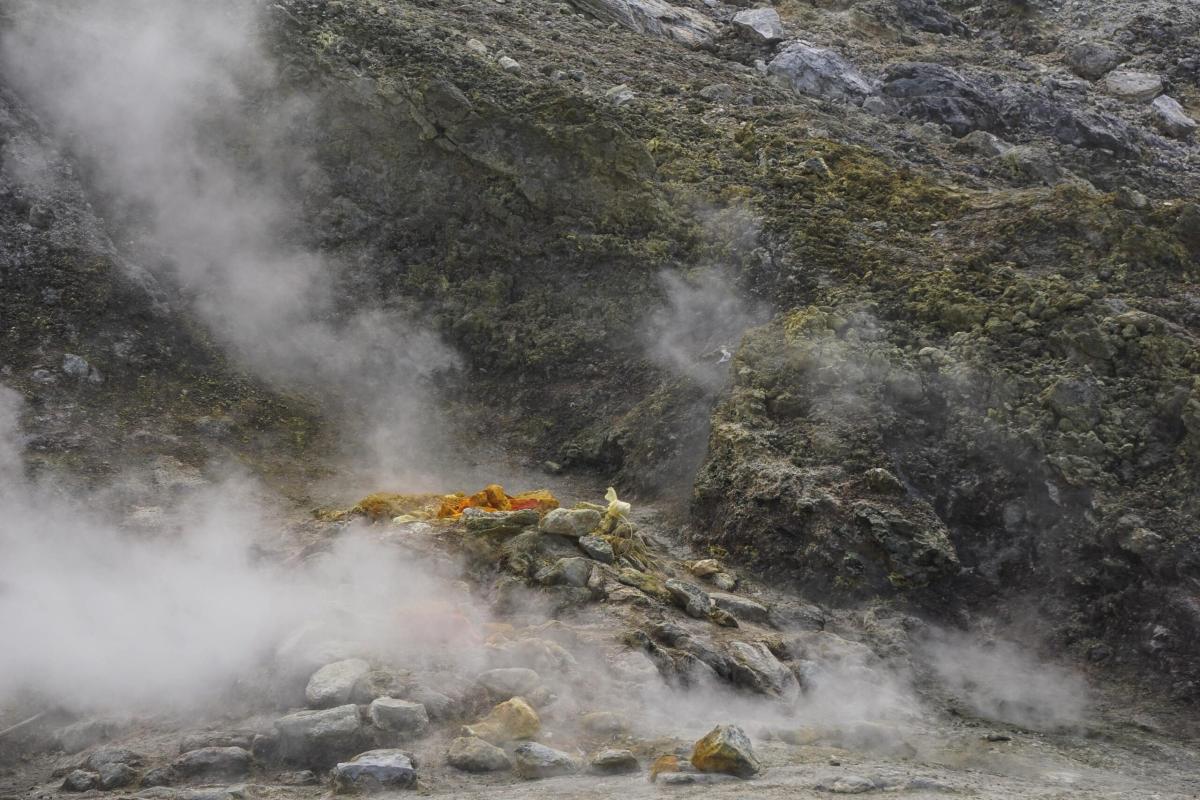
<point x="177" y="113"/>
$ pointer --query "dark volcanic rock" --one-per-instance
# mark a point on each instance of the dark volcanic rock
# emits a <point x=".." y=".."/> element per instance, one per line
<point x="375" y="771"/>
<point x="940" y="94"/>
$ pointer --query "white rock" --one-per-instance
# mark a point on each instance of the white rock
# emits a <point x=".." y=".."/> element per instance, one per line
<point x="509" y="64"/>
<point x="476" y="46"/>
<point x="398" y="716"/>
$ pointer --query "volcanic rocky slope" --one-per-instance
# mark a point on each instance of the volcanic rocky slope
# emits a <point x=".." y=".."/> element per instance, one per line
<point x="973" y="227"/>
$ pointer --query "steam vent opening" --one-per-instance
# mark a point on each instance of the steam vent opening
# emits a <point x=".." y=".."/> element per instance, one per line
<point x="599" y="398"/>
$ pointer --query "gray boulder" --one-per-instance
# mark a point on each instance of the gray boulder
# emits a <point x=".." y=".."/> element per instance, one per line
<point x="694" y="601"/>
<point x="573" y="522"/>
<point x="80" y="781"/>
<point x="741" y="607"/>
<point x="1092" y="60"/>
<point x="319" y="738"/>
<point x="759" y="25"/>
<point x="333" y="684"/>
<point x="566" y="572"/>
<point x="1170" y="117"/>
<point x="106" y="756"/>
<point x="375" y="771"/>
<point x="509" y="682"/>
<point x="437" y="705"/>
<point x="533" y="760"/>
<point x="818" y="72"/>
<point x="755" y="667"/>
<point x="213" y="762"/>
<point x="614" y="761"/>
<point x="116" y="776"/>
<point x="398" y="716"/>
<point x="472" y="754"/>
<point x="653" y="17"/>
<point x="1133" y="86"/>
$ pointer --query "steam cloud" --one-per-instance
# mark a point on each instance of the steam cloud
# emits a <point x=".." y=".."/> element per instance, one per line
<point x="98" y="617"/>
<point x="177" y="114"/>
<point x="699" y="327"/>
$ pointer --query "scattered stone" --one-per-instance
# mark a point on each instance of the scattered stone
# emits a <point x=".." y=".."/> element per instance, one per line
<point x="198" y="741"/>
<point x="930" y="17"/>
<point x="1133" y="86"/>
<point x="717" y="93"/>
<point x="380" y="683"/>
<point x="472" y="754"/>
<point x="597" y="549"/>
<point x="213" y="762"/>
<point x="741" y="607"/>
<point x="665" y="765"/>
<point x="376" y="771"/>
<point x="997" y="737"/>
<point x="880" y="480"/>
<point x="726" y="749"/>
<point x="723" y="618"/>
<point x="509" y="64"/>
<point x="649" y="584"/>
<point x="705" y="567"/>
<point x="618" y="96"/>
<point x="566" y="572"/>
<point x="1171" y="119"/>
<point x="319" y="738"/>
<point x="1031" y="163"/>
<point x="653" y="17"/>
<point x="107" y="756"/>
<point x="756" y="667"/>
<point x="437" y="705"/>
<point x="399" y="716"/>
<point x="476" y="46"/>
<point x="691" y="598"/>
<point x="817" y="166"/>
<point x="80" y="781"/>
<point x="533" y="760"/>
<point x="759" y="25"/>
<point x="333" y="684"/>
<point x="510" y="682"/>
<point x="984" y="143"/>
<point x="819" y="72"/>
<point x="116" y="776"/>
<point x="604" y="723"/>
<point x="75" y="366"/>
<point x="614" y="761"/>
<point x="573" y="522"/>
<point x="304" y="777"/>
<point x="850" y="784"/>
<point x="724" y="581"/>
<point x="158" y="776"/>
<point x="509" y="721"/>
<point x="86" y="733"/>
<point x="1092" y="60"/>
